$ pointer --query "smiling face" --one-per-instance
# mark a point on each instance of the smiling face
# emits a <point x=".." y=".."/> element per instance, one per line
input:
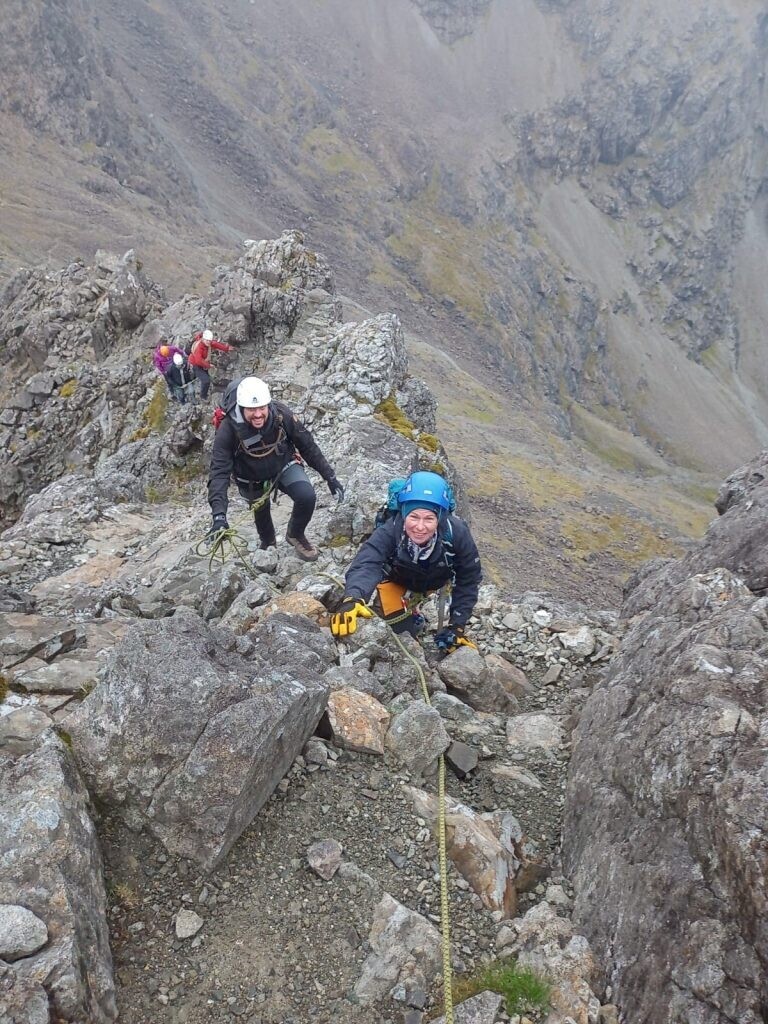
<point x="256" y="416"/>
<point x="420" y="525"/>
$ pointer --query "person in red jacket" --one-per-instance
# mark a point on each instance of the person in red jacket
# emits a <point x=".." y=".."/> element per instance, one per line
<point x="200" y="358"/>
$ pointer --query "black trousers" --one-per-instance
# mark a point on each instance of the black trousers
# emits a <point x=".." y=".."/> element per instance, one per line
<point x="205" y="380"/>
<point x="294" y="482"/>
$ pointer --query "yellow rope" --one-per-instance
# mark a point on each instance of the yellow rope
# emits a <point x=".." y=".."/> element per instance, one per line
<point x="445" y="915"/>
<point x="442" y="853"/>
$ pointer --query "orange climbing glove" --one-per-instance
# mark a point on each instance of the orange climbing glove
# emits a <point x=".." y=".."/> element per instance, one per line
<point x="344" y="621"/>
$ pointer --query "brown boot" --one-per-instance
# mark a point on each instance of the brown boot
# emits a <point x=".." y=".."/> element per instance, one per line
<point x="302" y="547"/>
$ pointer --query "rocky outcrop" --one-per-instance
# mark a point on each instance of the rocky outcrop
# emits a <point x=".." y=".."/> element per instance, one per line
<point x="666" y="803"/>
<point x="75" y="408"/>
<point x="735" y="541"/>
<point x="88" y="333"/>
<point x="452" y="19"/>
<point x="255" y="302"/>
<point x="193" y="755"/>
<point x="52" y="885"/>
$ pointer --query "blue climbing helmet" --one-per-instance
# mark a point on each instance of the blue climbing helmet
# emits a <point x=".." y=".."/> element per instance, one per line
<point x="429" y="488"/>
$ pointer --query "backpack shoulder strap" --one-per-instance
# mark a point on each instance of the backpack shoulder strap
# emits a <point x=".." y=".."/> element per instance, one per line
<point x="446" y="536"/>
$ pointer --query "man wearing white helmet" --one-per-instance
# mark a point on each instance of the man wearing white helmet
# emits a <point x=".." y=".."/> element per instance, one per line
<point x="178" y="377"/>
<point x="200" y="357"/>
<point x="258" y="442"/>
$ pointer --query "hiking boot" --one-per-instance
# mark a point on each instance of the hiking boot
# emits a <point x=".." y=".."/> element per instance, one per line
<point x="302" y="547"/>
<point x="267" y="542"/>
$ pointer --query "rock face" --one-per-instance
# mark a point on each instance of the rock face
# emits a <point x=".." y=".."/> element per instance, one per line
<point x="667" y="803"/>
<point x="190" y="739"/>
<point x="735" y="541"/>
<point x="52" y="901"/>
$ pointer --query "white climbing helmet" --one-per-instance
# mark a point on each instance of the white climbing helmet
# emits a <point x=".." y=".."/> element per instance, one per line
<point x="207" y="335"/>
<point x="253" y="392"/>
<point x="178" y="359"/>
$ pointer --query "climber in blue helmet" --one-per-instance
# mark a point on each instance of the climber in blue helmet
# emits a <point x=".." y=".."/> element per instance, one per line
<point x="416" y="552"/>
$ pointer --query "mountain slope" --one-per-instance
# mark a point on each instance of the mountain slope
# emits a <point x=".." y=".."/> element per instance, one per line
<point x="566" y="198"/>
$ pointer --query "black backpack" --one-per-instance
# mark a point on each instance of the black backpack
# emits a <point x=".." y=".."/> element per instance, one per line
<point x="228" y="403"/>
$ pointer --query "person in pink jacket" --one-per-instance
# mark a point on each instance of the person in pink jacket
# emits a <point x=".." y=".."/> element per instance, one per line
<point x="162" y="357"/>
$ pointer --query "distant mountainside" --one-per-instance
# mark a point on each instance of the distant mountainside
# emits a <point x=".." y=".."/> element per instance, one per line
<point x="567" y="196"/>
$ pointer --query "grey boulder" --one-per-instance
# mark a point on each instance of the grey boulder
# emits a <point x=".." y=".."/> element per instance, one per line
<point x="51" y="865"/>
<point x="667" y="807"/>
<point x="21" y="932"/>
<point x="190" y="739"/>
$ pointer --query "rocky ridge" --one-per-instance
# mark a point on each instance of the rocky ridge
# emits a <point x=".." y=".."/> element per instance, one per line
<point x="99" y="601"/>
<point x="274" y="791"/>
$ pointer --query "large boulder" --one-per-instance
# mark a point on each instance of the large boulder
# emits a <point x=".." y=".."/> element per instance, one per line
<point x="189" y="738"/>
<point x="52" y="894"/>
<point x="667" y="807"/>
<point x="484" y="688"/>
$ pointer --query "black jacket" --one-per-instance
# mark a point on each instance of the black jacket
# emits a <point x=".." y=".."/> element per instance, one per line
<point x="384" y="556"/>
<point x="179" y="375"/>
<point x="251" y="455"/>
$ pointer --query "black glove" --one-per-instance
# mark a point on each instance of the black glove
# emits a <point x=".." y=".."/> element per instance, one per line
<point x="446" y="639"/>
<point x="219" y="523"/>
<point x="452" y="637"/>
<point x="336" y="489"/>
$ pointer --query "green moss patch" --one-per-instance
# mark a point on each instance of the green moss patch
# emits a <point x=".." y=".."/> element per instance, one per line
<point x="156" y="413"/>
<point x="391" y="413"/>
<point x="626" y="538"/>
<point x="612" y="445"/>
<point x="338" y="541"/>
<point x="523" y="990"/>
<point x="336" y="156"/>
<point x="445" y="254"/>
